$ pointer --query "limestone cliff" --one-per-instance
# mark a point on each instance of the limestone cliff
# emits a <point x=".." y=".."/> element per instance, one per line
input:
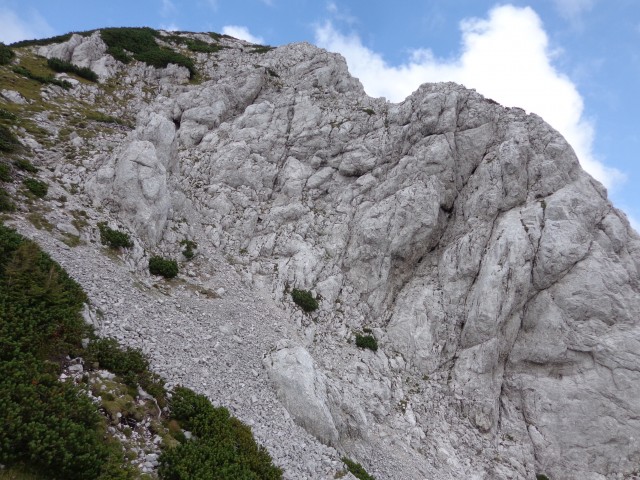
<point x="501" y="284"/>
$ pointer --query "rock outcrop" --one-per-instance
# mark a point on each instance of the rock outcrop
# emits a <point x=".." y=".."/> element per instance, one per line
<point x="501" y="284"/>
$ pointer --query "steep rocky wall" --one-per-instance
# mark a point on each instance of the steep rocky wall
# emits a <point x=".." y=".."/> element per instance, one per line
<point x="500" y="282"/>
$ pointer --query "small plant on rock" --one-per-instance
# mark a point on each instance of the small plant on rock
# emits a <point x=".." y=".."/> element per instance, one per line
<point x="163" y="266"/>
<point x="38" y="188"/>
<point x="114" y="238"/>
<point x="189" y="247"/>
<point x="357" y="470"/>
<point x="304" y="300"/>
<point x="367" y="341"/>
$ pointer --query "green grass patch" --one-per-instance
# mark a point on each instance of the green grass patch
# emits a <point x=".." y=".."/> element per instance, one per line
<point x="7" y="115"/>
<point x="104" y="118"/>
<point x="48" y="80"/>
<point x="61" y="66"/>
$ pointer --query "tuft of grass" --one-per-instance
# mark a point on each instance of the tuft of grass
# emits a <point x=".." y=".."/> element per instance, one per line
<point x="36" y="187"/>
<point x="367" y="341"/>
<point x="41" y="79"/>
<point x="25" y="165"/>
<point x="61" y="66"/>
<point x="304" y="300"/>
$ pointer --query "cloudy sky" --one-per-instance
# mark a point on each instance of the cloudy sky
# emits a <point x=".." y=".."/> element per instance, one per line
<point x="576" y="63"/>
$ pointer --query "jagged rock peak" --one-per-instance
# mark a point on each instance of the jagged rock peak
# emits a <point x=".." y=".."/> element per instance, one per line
<point x="499" y="281"/>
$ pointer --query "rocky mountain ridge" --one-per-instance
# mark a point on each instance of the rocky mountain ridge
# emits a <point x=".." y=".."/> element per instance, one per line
<point x="499" y="281"/>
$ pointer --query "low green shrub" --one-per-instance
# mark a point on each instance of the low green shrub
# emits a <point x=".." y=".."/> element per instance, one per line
<point x="39" y="78"/>
<point x="222" y="446"/>
<point x="366" y="341"/>
<point x="357" y="470"/>
<point x="26" y="165"/>
<point x="36" y="187"/>
<point x="130" y="364"/>
<point x="8" y="141"/>
<point x="6" y="205"/>
<point x="189" y="247"/>
<point x="203" y="47"/>
<point x="163" y="266"/>
<point x="6" y="54"/>
<point x="541" y="476"/>
<point x="304" y="300"/>
<point x="261" y="49"/>
<point x="114" y="238"/>
<point x="59" y="65"/>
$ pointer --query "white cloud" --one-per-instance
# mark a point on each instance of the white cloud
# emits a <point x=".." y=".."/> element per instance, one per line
<point x="172" y="27"/>
<point x="505" y="57"/>
<point x="241" y="32"/>
<point x="572" y="9"/>
<point x="168" y="8"/>
<point x="13" y="28"/>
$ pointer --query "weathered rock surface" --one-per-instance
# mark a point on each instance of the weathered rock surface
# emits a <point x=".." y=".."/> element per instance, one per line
<point x="501" y="284"/>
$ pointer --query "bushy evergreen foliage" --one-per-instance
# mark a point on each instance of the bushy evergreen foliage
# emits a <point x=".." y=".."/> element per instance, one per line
<point x="38" y="188"/>
<point x="304" y="300"/>
<point x="163" y="266"/>
<point x="45" y="423"/>
<point x="114" y="238"/>
<point x="142" y="45"/>
<point x="223" y="447"/>
<point x="61" y="66"/>
<point x="366" y="341"/>
<point x="6" y="54"/>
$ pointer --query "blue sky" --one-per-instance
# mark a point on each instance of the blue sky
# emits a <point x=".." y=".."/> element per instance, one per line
<point x="574" y="62"/>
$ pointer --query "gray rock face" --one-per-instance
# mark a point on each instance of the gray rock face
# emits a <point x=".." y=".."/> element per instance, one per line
<point x="89" y="52"/>
<point x="501" y="284"/>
